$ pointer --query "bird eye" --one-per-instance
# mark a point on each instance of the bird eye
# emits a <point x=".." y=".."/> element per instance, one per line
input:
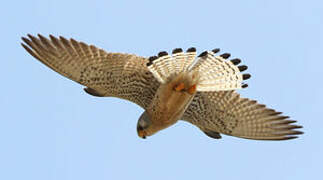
<point x="140" y="128"/>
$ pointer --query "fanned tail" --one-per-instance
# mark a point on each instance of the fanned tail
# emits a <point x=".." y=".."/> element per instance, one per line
<point x="214" y="73"/>
<point x="165" y="66"/>
<point x="218" y="74"/>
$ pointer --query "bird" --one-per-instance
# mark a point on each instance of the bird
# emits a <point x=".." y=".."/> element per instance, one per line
<point x="170" y="87"/>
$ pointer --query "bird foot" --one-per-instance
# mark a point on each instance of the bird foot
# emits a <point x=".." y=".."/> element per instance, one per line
<point x="181" y="87"/>
<point x="192" y="89"/>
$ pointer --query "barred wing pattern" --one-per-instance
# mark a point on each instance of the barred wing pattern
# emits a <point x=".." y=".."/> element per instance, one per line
<point x="105" y="74"/>
<point x="127" y="76"/>
<point x="226" y="112"/>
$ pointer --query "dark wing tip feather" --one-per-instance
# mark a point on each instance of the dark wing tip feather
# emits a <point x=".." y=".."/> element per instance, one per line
<point x="24" y="39"/>
<point x="41" y="36"/>
<point x="52" y="36"/>
<point x="284" y="129"/>
<point x="29" y="46"/>
<point x="31" y="52"/>
<point x="30" y="36"/>
<point x="296" y="127"/>
<point x="294" y="132"/>
<point x="65" y="41"/>
<point x="288" y="138"/>
<point x="275" y="113"/>
<point x="62" y="38"/>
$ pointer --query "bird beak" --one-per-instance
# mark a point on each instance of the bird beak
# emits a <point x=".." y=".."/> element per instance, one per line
<point x="142" y="134"/>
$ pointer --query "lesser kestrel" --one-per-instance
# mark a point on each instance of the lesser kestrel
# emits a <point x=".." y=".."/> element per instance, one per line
<point x="181" y="86"/>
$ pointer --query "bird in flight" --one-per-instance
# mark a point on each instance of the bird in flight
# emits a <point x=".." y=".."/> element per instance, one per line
<point x="200" y="89"/>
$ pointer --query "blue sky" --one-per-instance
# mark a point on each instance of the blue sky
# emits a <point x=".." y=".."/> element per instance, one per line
<point x="50" y="129"/>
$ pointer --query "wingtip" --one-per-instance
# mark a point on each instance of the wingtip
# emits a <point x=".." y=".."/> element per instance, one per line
<point x="24" y="46"/>
<point x="51" y="36"/>
<point x="41" y="36"/>
<point x="298" y="127"/>
<point x="63" y="39"/>
<point x="24" y="39"/>
<point x="30" y="36"/>
<point x="289" y="138"/>
<point x="298" y="133"/>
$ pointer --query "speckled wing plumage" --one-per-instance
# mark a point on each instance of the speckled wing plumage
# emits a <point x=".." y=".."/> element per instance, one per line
<point x="227" y="113"/>
<point x="104" y="74"/>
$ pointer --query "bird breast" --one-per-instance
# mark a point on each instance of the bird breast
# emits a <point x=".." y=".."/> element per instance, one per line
<point x="168" y="104"/>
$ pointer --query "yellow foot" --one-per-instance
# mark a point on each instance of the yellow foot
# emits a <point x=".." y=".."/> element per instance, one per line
<point x="179" y="87"/>
<point x="192" y="89"/>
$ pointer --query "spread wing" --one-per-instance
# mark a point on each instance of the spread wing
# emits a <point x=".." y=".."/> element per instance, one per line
<point x="227" y="113"/>
<point x="104" y="74"/>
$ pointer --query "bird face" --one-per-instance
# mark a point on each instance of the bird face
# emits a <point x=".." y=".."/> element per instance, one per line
<point x="143" y="125"/>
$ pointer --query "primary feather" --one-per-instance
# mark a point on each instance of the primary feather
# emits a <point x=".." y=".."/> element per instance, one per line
<point x="227" y="113"/>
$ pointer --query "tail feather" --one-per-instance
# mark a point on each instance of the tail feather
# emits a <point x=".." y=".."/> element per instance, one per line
<point x="155" y="69"/>
<point x="179" y="57"/>
<point x="190" y="57"/>
<point x="165" y="66"/>
<point x="215" y="73"/>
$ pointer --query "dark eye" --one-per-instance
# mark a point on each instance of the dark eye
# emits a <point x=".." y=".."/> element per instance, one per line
<point x="139" y="128"/>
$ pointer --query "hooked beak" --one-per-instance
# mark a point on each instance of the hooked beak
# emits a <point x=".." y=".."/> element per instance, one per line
<point x="142" y="134"/>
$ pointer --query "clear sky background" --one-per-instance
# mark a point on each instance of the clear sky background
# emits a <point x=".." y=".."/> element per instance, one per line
<point x="51" y="130"/>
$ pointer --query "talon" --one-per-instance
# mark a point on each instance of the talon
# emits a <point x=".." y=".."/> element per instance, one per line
<point x="179" y="87"/>
<point x="192" y="89"/>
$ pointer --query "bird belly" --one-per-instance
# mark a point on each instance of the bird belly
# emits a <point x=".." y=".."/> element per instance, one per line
<point x="169" y="104"/>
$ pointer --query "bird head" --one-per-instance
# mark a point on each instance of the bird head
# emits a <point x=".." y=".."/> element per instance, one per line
<point x="144" y="125"/>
